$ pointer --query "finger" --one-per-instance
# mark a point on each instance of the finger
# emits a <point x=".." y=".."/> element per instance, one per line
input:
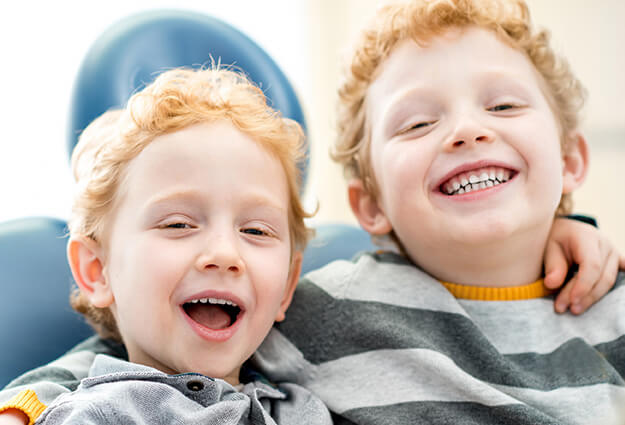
<point x="621" y="262"/>
<point x="592" y="267"/>
<point x="562" y="301"/>
<point x="603" y="286"/>
<point x="591" y="262"/>
<point x="556" y="265"/>
<point x="607" y="274"/>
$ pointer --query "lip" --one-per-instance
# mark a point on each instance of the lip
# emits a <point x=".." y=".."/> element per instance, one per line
<point x="215" y="335"/>
<point x="224" y="295"/>
<point x="471" y="166"/>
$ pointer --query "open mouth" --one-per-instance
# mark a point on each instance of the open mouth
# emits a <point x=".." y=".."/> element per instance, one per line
<point x="474" y="180"/>
<point x="213" y="313"/>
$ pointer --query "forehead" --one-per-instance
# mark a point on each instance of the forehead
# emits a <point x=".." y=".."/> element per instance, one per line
<point x="446" y="63"/>
<point x="215" y="160"/>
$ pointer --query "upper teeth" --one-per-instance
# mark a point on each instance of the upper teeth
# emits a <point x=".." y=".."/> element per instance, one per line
<point x="476" y="180"/>
<point x="213" y="301"/>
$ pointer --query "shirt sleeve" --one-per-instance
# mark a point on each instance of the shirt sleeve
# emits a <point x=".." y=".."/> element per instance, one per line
<point x="27" y="402"/>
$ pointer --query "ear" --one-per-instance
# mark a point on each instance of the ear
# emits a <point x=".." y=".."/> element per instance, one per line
<point x="86" y="262"/>
<point x="291" y="284"/>
<point x="575" y="162"/>
<point x="366" y="209"/>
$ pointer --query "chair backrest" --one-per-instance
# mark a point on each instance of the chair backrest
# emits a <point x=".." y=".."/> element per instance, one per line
<point x="38" y="323"/>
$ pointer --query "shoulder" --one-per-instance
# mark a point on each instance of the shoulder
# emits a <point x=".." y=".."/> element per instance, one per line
<point x="380" y="277"/>
<point x="54" y="379"/>
<point x="342" y="278"/>
<point x="98" y="345"/>
<point x="70" y="368"/>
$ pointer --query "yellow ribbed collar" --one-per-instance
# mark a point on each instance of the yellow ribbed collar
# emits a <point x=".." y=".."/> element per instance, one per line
<point x="514" y="293"/>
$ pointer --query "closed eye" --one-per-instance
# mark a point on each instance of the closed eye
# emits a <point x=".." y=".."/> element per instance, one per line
<point x="254" y="231"/>
<point x="421" y="125"/>
<point x="503" y="107"/>
<point x="176" y="226"/>
<point x="418" y="126"/>
<point x="176" y="229"/>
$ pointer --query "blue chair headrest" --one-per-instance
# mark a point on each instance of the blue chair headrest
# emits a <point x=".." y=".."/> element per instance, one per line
<point x="132" y="52"/>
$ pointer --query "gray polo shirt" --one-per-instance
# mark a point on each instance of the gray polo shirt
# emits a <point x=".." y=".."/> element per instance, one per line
<point x="120" y="392"/>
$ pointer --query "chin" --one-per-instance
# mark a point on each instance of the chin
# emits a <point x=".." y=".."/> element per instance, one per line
<point x="484" y="232"/>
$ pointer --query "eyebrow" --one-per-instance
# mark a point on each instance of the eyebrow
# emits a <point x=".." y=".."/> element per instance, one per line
<point x="174" y="196"/>
<point x="251" y="200"/>
<point x="262" y="201"/>
<point x="491" y="77"/>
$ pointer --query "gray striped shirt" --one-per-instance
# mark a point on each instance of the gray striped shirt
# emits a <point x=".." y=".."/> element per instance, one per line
<point x="383" y="343"/>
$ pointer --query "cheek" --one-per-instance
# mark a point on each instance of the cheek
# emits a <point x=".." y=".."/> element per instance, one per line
<point x="546" y="157"/>
<point x="543" y="156"/>
<point x="143" y="265"/>
<point x="541" y="135"/>
<point x="268" y="269"/>
<point x="158" y="256"/>
<point x="403" y="176"/>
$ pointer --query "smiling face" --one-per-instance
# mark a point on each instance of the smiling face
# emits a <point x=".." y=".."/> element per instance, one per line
<point x="465" y="151"/>
<point x="197" y="262"/>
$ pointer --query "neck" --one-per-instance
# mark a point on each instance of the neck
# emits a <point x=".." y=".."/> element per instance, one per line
<point x="513" y="260"/>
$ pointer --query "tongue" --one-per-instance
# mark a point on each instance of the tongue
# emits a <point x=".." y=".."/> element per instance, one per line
<point x="211" y="316"/>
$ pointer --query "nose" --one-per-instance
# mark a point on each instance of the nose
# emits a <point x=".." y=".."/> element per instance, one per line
<point x="221" y="253"/>
<point x="468" y="132"/>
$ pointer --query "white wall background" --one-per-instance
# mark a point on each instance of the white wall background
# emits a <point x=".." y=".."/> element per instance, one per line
<point x="42" y="44"/>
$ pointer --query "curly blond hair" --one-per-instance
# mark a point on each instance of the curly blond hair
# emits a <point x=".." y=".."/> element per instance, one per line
<point x="420" y="20"/>
<point x="177" y="99"/>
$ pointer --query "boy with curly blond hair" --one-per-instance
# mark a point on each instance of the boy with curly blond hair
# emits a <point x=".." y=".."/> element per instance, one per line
<point x="459" y="135"/>
<point x="186" y="245"/>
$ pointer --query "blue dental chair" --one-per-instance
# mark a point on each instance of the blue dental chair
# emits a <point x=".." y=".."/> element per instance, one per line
<point x="37" y="324"/>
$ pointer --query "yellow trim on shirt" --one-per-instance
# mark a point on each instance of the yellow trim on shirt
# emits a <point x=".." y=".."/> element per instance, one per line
<point x="26" y="401"/>
<point x="485" y="293"/>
